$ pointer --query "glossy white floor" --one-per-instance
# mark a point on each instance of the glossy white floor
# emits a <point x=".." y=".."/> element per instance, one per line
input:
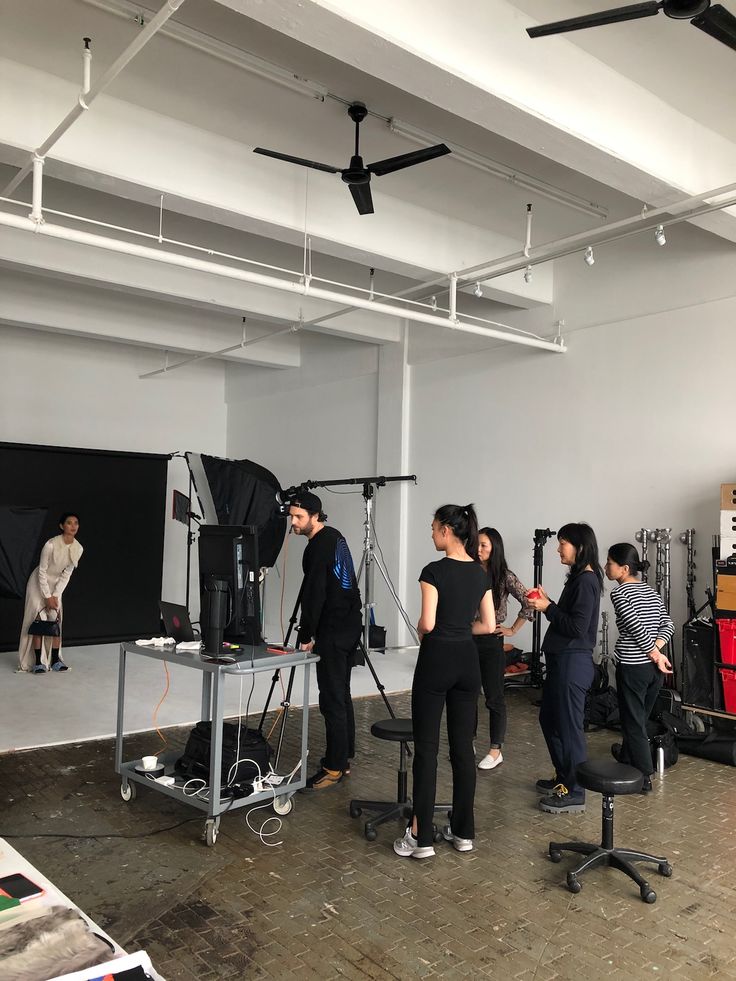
<point x="80" y="704"/>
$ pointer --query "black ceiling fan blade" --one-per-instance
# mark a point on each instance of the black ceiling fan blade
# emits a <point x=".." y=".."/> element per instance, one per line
<point x="363" y="198"/>
<point x="391" y="164"/>
<point x="297" y="160"/>
<point x="613" y="16"/>
<point x="719" y="23"/>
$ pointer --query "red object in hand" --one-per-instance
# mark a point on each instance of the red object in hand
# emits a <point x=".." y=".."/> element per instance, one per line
<point x="534" y="594"/>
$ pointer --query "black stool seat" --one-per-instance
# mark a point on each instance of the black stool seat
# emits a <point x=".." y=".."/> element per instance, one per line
<point x="610" y="779"/>
<point x="397" y="730"/>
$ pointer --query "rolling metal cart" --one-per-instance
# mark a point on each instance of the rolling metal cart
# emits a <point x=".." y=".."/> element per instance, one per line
<point x="212" y="708"/>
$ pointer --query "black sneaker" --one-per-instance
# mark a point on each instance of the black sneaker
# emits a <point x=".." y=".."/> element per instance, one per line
<point x="546" y="786"/>
<point x="646" y="787"/>
<point x="561" y="801"/>
<point x="323" y="779"/>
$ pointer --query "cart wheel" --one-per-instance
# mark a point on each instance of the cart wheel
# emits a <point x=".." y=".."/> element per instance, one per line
<point x="210" y="832"/>
<point x="665" y="869"/>
<point x="573" y="883"/>
<point x="283" y="805"/>
<point x="696" y="721"/>
<point x="555" y="856"/>
<point x="647" y="894"/>
<point x="128" y="792"/>
<point x="354" y="811"/>
<point x="370" y="833"/>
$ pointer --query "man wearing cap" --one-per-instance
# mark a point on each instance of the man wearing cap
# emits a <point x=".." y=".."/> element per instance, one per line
<point x="331" y="624"/>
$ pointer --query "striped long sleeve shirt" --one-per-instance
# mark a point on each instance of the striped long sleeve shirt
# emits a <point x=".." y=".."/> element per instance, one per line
<point x="641" y="618"/>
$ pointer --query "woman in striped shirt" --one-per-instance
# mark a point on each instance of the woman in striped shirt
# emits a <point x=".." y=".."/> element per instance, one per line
<point x="645" y="628"/>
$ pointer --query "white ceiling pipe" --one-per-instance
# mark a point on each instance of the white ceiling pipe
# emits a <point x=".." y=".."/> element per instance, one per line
<point x="683" y="210"/>
<point x="271" y="282"/>
<point x="86" y="99"/>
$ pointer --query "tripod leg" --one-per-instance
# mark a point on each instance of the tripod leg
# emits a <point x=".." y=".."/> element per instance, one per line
<point x="284" y="716"/>
<point x="381" y="689"/>
<point x="264" y="713"/>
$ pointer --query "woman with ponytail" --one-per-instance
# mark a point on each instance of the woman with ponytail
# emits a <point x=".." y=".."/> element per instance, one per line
<point x="645" y="628"/>
<point x="454" y="589"/>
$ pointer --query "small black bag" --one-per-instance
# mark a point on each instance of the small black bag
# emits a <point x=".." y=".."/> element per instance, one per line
<point x="45" y="628"/>
<point x="254" y="753"/>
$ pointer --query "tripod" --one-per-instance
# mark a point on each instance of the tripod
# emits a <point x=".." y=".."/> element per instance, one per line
<point x="541" y="537"/>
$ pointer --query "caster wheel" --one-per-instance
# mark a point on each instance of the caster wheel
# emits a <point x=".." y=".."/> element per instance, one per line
<point x="573" y="884"/>
<point x="665" y="869"/>
<point x="437" y="837"/>
<point x="370" y="833"/>
<point x="354" y="812"/>
<point x="283" y="805"/>
<point x="128" y="792"/>
<point x="210" y="833"/>
<point x="555" y="856"/>
<point x="648" y="895"/>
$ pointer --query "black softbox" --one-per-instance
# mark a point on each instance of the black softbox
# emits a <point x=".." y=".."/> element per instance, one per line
<point x="241" y="492"/>
<point x="20" y="532"/>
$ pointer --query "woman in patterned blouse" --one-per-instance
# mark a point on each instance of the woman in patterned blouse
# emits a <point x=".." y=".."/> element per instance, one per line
<point x="490" y="647"/>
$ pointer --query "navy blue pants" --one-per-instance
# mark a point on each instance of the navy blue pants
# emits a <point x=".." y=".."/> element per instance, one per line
<point x="447" y="675"/>
<point x="569" y="677"/>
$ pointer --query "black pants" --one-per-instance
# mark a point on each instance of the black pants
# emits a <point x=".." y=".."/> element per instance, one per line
<point x="447" y="674"/>
<point x="492" y="669"/>
<point x="637" y="686"/>
<point x="569" y="676"/>
<point x="335" y="702"/>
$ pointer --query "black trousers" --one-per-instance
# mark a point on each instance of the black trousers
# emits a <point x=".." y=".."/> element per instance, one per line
<point x="492" y="661"/>
<point x="447" y="674"/>
<point x="637" y="686"/>
<point x="569" y="676"/>
<point x="336" y="652"/>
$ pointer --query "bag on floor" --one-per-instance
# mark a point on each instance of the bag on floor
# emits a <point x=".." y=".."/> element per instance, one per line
<point x="253" y="755"/>
<point x="662" y="735"/>
<point x="601" y="709"/>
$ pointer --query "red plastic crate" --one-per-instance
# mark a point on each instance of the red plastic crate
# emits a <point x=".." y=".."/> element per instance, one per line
<point x="727" y="637"/>
<point x="729" y="689"/>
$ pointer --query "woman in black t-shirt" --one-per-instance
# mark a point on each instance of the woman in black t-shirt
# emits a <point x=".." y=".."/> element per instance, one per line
<point x="447" y="673"/>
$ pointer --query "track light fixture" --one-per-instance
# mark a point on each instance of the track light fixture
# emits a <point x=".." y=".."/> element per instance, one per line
<point x="588" y="256"/>
<point x="528" y="274"/>
<point x="478" y="291"/>
<point x="659" y="236"/>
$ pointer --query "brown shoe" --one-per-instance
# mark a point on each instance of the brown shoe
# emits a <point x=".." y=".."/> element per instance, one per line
<point x="324" y="778"/>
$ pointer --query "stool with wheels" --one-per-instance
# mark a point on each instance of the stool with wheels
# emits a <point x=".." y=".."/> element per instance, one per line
<point x="398" y="731"/>
<point x="610" y="779"/>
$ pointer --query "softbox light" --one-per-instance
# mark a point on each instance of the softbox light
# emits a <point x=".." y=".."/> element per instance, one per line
<point x="240" y="492"/>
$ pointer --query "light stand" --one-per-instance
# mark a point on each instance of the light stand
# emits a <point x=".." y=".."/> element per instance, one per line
<point x="643" y="536"/>
<point x="688" y="539"/>
<point x="541" y="537"/>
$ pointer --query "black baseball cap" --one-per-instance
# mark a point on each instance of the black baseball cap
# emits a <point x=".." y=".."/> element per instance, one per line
<point x="308" y="502"/>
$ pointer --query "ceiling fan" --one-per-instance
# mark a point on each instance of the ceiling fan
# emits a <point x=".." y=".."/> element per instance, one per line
<point x="714" y="19"/>
<point x="357" y="175"/>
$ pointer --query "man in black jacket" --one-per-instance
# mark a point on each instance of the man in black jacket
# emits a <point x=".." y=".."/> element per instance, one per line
<point x="330" y="624"/>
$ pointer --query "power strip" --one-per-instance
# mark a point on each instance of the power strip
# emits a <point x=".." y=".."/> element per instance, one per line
<point x="165" y="781"/>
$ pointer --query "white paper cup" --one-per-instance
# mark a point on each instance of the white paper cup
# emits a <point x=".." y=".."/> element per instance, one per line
<point x="149" y="762"/>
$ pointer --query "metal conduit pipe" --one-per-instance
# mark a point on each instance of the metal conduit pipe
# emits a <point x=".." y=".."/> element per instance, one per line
<point x="271" y="282"/>
<point x="86" y="99"/>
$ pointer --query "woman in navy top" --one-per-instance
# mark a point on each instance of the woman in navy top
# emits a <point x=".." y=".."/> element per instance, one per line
<point x="447" y="674"/>
<point x="568" y="647"/>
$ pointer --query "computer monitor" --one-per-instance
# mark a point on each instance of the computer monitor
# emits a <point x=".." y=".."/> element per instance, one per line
<point x="230" y="552"/>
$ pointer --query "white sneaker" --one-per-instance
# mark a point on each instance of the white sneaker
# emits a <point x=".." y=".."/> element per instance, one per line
<point x="459" y="844"/>
<point x="407" y="847"/>
<point x="490" y="762"/>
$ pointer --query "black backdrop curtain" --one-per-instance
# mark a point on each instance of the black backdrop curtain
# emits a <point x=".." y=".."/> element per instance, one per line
<point x="121" y="502"/>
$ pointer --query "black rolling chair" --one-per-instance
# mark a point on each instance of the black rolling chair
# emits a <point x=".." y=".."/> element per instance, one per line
<point x="611" y="780"/>
<point x="397" y="731"/>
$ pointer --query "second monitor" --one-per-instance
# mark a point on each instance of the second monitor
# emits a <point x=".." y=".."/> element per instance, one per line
<point x="230" y="553"/>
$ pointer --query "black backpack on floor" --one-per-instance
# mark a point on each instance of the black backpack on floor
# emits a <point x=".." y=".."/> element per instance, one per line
<point x="254" y="753"/>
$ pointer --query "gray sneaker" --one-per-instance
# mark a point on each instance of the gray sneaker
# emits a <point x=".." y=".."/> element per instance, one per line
<point x="408" y="847"/>
<point x="459" y="844"/>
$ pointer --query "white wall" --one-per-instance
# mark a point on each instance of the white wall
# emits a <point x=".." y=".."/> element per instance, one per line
<point x="69" y="391"/>
<point x="633" y="427"/>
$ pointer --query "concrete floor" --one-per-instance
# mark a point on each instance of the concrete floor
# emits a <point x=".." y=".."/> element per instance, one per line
<point x="327" y="904"/>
